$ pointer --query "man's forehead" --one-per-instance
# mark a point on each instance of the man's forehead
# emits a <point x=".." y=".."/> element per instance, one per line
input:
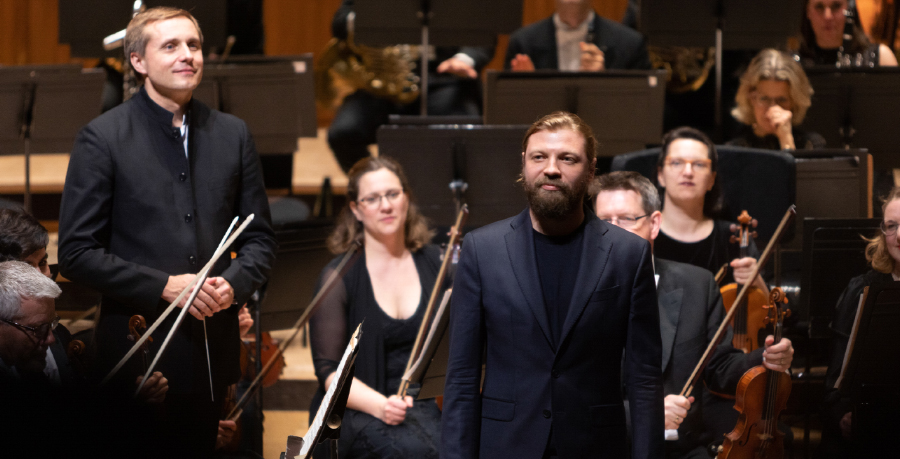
<point x="620" y="200"/>
<point x="38" y="307"/>
<point x="569" y="139"/>
<point x="165" y="29"/>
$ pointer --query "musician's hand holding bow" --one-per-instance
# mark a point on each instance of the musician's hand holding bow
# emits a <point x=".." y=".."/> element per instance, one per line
<point x="743" y="269"/>
<point x="677" y="408"/>
<point x="207" y="301"/>
<point x="393" y="411"/>
<point x="778" y="357"/>
<point x="155" y="389"/>
<point x="225" y="435"/>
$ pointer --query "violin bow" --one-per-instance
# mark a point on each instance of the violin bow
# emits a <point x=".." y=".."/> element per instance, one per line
<point x="707" y="356"/>
<point x="304" y="318"/>
<point x="177" y="300"/>
<point x="455" y="232"/>
<point x="205" y="335"/>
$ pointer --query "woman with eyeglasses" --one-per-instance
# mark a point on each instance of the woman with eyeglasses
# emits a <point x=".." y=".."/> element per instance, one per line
<point x="883" y="254"/>
<point x="692" y="198"/>
<point x="822" y="36"/>
<point x="387" y="287"/>
<point x="771" y="102"/>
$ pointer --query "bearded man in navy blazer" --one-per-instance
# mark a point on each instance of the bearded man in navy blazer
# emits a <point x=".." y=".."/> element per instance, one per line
<point x="549" y="301"/>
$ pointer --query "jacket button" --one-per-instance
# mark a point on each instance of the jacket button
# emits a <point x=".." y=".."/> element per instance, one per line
<point x="192" y="260"/>
<point x="554" y="373"/>
<point x="182" y="177"/>
<point x="547" y="414"/>
<point x="188" y="218"/>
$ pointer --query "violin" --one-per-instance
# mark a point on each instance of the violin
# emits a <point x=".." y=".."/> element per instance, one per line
<point x="268" y="351"/>
<point x="136" y="324"/>
<point x="761" y="396"/>
<point x="750" y="315"/>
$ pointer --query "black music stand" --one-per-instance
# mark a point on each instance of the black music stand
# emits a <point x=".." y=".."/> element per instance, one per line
<point x="436" y="22"/>
<point x="302" y="254"/>
<point x="50" y="104"/>
<point x="870" y="375"/>
<point x="451" y="165"/>
<point x="623" y="107"/>
<point x="854" y="108"/>
<point x="733" y="25"/>
<point x="83" y="25"/>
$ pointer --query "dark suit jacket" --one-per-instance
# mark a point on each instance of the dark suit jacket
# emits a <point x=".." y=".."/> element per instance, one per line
<point x="690" y="312"/>
<point x="623" y="48"/>
<point x="135" y="210"/>
<point x="498" y="317"/>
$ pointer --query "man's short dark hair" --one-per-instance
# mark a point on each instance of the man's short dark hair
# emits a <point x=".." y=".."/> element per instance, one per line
<point x="628" y="181"/>
<point x="712" y="202"/>
<point x="20" y="235"/>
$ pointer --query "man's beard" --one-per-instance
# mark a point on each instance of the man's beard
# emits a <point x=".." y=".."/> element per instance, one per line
<point x="555" y="204"/>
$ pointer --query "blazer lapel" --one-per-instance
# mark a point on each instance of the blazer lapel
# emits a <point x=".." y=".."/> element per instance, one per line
<point x="593" y="261"/>
<point x="669" y="301"/>
<point x="520" y="247"/>
<point x="550" y="42"/>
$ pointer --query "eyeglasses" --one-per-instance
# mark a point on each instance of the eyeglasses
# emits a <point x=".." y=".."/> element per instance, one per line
<point x="889" y="229"/>
<point x="766" y="101"/>
<point x="375" y="200"/>
<point x="835" y="7"/>
<point x="624" y="222"/>
<point x="699" y="165"/>
<point x="40" y="332"/>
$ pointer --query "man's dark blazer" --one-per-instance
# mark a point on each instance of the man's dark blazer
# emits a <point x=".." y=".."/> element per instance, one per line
<point x="623" y="48"/>
<point x="498" y="317"/>
<point x="690" y="312"/>
<point x="135" y="210"/>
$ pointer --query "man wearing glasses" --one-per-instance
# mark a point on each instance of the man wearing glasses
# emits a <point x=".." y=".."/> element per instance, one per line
<point x="690" y="311"/>
<point x="27" y="316"/>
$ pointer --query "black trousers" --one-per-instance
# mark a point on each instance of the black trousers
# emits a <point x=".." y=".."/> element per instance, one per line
<point x="357" y="120"/>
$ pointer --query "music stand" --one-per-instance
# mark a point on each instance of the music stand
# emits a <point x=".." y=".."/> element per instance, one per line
<point x="302" y="254"/>
<point x="37" y="124"/>
<point x="83" y="25"/>
<point x="437" y="22"/>
<point x="747" y="24"/>
<point x="448" y="165"/>
<point x="853" y="108"/>
<point x="869" y="376"/>
<point x="623" y="107"/>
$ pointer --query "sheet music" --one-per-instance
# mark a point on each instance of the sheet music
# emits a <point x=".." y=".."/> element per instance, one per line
<point x="334" y="389"/>
<point x="852" y="340"/>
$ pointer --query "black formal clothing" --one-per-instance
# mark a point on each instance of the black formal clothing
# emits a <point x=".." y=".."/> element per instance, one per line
<point x="803" y="140"/>
<point x="623" y="48"/>
<point x="383" y="353"/>
<point x="690" y="312"/>
<point x="136" y="209"/>
<point x="710" y="253"/>
<point x="557" y="261"/>
<point x="813" y="55"/>
<point x="834" y="407"/>
<point x="532" y="387"/>
<point x="357" y="120"/>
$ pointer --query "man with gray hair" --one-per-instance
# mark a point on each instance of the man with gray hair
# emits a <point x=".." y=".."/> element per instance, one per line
<point x="27" y="317"/>
<point x="690" y="311"/>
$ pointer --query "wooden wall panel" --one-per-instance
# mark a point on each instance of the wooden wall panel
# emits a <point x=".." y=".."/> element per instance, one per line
<point x="29" y="33"/>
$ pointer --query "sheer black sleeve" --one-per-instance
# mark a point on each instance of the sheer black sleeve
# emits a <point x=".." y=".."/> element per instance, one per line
<point x="328" y="327"/>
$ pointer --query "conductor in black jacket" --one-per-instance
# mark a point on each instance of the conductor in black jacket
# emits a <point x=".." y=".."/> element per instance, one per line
<point x="575" y="38"/>
<point x="152" y="187"/>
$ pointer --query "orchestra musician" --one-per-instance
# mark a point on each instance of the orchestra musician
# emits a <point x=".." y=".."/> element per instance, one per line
<point x="883" y="253"/>
<point x="387" y="287"/>
<point x="575" y="38"/>
<point x="690" y="312"/>
<point x="689" y="232"/>
<point x="771" y="102"/>
<point x="822" y="31"/>
<point x="151" y="188"/>
<point x="549" y="301"/>
<point x="453" y="90"/>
